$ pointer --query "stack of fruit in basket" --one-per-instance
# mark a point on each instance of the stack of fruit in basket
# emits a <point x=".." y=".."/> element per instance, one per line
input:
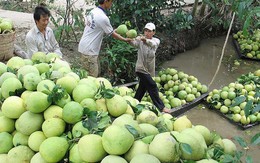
<point x="6" y="25"/>
<point x="249" y="45"/>
<point x="177" y="88"/>
<point x="240" y="100"/>
<point x="50" y="113"/>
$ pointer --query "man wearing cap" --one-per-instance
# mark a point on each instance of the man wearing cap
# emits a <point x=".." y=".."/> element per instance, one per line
<point x="145" y="66"/>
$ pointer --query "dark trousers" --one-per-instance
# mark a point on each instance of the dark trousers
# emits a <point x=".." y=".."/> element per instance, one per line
<point x="146" y="83"/>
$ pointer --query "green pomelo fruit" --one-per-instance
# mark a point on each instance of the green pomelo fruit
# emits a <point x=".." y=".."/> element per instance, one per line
<point x="15" y="63"/>
<point x="181" y="123"/>
<point x="53" y="127"/>
<point x="182" y="94"/>
<point x="13" y="107"/>
<point x="74" y="75"/>
<point x="175" y="102"/>
<point x="42" y="67"/>
<point x="6" y="142"/>
<point x="129" y="111"/>
<point x="141" y="158"/>
<point x="64" y="70"/>
<point x="131" y="33"/>
<point x="20" y="139"/>
<point x="26" y="69"/>
<point x="45" y="86"/>
<point x="39" y="57"/>
<point x="3" y="158"/>
<point x="123" y="90"/>
<point x="50" y="57"/>
<point x="139" y="147"/>
<point x="101" y="105"/>
<point x="82" y="91"/>
<point x="205" y="132"/>
<point x="130" y="99"/>
<point x="37" y="102"/>
<point x="53" y="111"/>
<point x="53" y="149"/>
<point x="89" y="103"/>
<point x="165" y="148"/>
<point x="105" y="81"/>
<point x="90" y="148"/>
<point x="10" y="85"/>
<point x="72" y="112"/>
<point x="3" y="68"/>
<point x="35" y="140"/>
<point x="5" y="76"/>
<point x="25" y="95"/>
<point x="116" y="106"/>
<point x="197" y="135"/>
<point x="127" y="119"/>
<point x="78" y="130"/>
<point x="190" y="97"/>
<point x="122" y="29"/>
<point x="59" y="64"/>
<point x="37" y="158"/>
<point x="147" y="116"/>
<point x="229" y="147"/>
<point x="31" y="80"/>
<point x="114" y="159"/>
<point x="90" y="81"/>
<point x="204" y="89"/>
<point x="74" y="154"/>
<point x="21" y="154"/>
<point x="117" y="140"/>
<point x="207" y="161"/>
<point x="148" y="129"/>
<point x="257" y="73"/>
<point x="6" y="124"/>
<point x="28" y="61"/>
<point x="68" y="83"/>
<point x="29" y="122"/>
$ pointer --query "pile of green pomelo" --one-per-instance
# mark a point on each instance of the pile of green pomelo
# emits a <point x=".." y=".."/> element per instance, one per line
<point x="239" y="100"/>
<point x="51" y="113"/>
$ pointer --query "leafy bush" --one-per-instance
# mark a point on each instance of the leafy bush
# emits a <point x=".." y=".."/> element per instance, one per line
<point x="118" y="61"/>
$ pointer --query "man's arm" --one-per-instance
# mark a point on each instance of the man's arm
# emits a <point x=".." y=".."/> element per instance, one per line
<point x="119" y="37"/>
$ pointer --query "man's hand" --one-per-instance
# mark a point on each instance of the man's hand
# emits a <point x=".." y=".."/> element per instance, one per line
<point x="166" y="110"/>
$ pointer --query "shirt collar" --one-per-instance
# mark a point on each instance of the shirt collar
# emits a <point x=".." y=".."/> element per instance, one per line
<point x="102" y="9"/>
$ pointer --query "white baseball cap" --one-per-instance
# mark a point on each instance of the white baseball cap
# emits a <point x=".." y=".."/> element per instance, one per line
<point x="150" y="26"/>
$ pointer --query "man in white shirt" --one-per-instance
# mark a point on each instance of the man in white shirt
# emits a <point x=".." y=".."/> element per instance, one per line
<point x="41" y="37"/>
<point x="97" y="25"/>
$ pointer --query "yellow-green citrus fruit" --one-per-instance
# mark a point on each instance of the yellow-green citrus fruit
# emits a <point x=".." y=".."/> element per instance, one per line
<point x="37" y="102"/>
<point x="131" y="33"/>
<point x="117" y="140"/>
<point x="35" y="140"/>
<point x="53" y="111"/>
<point x="147" y="116"/>
<point x="37" y="158"/>
<point x="5" y="76"/>
<point x="229" y="147"/>
<point x="20" y="139"/>
<point x="13" y="107"/>
<point x="15" y="62"/>
<point x="139" y="147"/>
<point x="145" y="158"/>
<point x="53" y="127"/>
<point x="148" y="129"/>
<point x="82" y="91"/>
<point x="6" y="142"/>
<point x="39" y="57"/>
<point x="29" y="122"/>
<point x="41" y="87"/>
<point x="116" y="105"/>
<point x="6" y="124"/>
<point x="26" y="69"/>
<point x="165" y="148"/>
<point x="91" y="149"/>
<point x="72" y="112"/>
<point x="122" y="29"/>
<point x="9" y="86"/>
<point x="3" y="68"/>
<point x="114" y="159"/>
<point x="21" y="154"/>
<point x="181" y="123"/>
<point x="74" y="154"/>
<point x="101" y="105"/>
<point x="53" y="149"/>
<point x="207" y="161"/>
<point x="3" y="158"/>
<point x="205" y="132"/>
<point x="89" y="103"/>
<point x="68" y="83"/>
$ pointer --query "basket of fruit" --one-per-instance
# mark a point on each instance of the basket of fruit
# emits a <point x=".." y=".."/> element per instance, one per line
<point x="247" y="46"/>
<point x="7" y="36"/>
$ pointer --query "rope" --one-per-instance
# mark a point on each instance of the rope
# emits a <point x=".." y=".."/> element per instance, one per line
<point x="223" y="50"/>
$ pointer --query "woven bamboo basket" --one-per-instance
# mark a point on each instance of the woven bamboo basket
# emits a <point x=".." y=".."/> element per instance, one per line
<point x="7" y="46"/>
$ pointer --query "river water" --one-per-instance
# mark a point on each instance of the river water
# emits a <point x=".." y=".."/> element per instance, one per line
<point x="202" y="62"/>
